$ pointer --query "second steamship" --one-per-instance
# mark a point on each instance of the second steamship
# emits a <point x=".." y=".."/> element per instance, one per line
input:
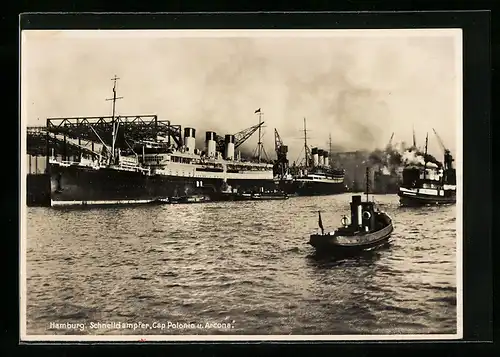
<point x="317" y="176"/>
<point x="432" y="183"/>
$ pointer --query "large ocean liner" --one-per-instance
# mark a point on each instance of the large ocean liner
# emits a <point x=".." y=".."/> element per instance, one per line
<point x="133" y="160"/>
<point x="314" y="176"/>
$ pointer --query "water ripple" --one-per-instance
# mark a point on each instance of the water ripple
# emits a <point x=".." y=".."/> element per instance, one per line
<point x="245" y="262"/>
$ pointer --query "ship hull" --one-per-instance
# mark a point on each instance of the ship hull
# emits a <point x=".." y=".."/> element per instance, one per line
<point x="80" y="185"/>
<point x="38" y="190"/>
<point x="415" y="199"/>
<point x="311" y="188"/>
<point x="346" y="245"/>
<point x="349" y="250"/>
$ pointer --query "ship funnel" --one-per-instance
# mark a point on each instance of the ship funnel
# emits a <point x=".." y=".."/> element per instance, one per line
<point x="314" y="152"/>
<point x="326" y="159"/>
<point x="190" y="139"/>
<point x="229" y="147"/>
<point x="210" y="143"/>
<point x="321" y="158"/>
<point x="356" y="211"/>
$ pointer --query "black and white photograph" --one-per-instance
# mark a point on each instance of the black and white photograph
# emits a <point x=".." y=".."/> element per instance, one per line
<point x="241" y="185"/>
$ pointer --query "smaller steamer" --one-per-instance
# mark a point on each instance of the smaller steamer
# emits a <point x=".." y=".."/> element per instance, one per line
<point x="367" y="229"/>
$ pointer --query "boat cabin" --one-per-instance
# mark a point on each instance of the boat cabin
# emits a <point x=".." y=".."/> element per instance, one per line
<point x="365" y="218"/>
<point x="362" y="215"/>
<point x="414" y="177"/>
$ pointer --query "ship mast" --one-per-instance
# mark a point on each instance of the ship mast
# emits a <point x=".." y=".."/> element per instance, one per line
<point x="367" y="184"/>
<point x="259" y="144"/>
<point x="425" y="155"/>
<point x="305" y="143"/>
<point x="330" y="148"/>
<point x="113" y="130"/>
<point x="414" y="139"/>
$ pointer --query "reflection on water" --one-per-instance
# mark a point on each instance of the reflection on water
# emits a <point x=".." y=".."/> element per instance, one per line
<point x="246" y="264"/>
<point x="322" y="260"/>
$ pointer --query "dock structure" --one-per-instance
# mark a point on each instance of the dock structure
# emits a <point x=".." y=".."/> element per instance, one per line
<point x="67" y="137"/>
<point x="75" y="136"/>
<point x="70" y="139"/>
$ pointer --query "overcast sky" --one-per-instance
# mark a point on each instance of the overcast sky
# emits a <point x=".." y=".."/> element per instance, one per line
<point x="357" y="86"/>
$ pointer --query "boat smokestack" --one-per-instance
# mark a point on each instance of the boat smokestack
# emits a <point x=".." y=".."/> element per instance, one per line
<point x="321" y="158"/>
<point x="210" y="143"/>
<point x="360" y="216"/>
<point x="326" y="159"/>
<point x="314" y="152"/>
<point x="190" y="139"/>
<point x="356" y="211"/>
<point x="229" y="147"/>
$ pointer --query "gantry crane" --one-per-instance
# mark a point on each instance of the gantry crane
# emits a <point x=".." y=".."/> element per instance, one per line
<point x="281" y="166"/>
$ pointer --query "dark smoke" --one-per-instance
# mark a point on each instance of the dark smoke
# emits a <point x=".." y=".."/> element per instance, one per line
<point x="394" y="157"/>
<point x="415" y="157"/>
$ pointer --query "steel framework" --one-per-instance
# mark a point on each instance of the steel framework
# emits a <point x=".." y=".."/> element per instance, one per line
<point x="65" y="135"/>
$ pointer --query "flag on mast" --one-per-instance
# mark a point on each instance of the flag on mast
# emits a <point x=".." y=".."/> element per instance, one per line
<point x="257" y="111"/>
<point x="320" y="223"/>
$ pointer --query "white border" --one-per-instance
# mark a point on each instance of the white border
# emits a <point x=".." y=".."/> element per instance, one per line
<point x="22" y="200"/>
<point x="460" y="184"/>
<point x="457" y="33"/>
<point x="311" y="33"/>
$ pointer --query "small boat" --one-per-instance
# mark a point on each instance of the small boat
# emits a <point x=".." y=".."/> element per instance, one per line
<point x="266" y="196"/>
<point x="368" y="229"/>
<point x="181" y="199"/>
<point x="160" y="201"/>
<point x="193" y="199"/>
<point x="230" y="195"/>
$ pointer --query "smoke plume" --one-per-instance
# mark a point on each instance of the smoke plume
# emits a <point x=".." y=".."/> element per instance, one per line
<point x="414" y="157"/>
<point x="394" y="157"/>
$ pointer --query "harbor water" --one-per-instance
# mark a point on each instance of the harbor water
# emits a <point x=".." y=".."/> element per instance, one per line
<point x="236" y="268"/>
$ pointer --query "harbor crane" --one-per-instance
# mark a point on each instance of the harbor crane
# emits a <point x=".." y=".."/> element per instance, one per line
<point x="448" y="159"/>
<point x="278" y="143"/>
<point x="282" y="163"/>
<point x="389" y="144"/>
<point x="239" y="137"/>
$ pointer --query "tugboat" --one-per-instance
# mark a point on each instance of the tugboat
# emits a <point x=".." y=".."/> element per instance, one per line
<point x="430" y="185"/>
<point x="368" y="229"/>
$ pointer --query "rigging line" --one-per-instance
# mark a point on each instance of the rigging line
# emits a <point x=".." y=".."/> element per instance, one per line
<point x="298" y="157"/>
<point x="95" y="132"/>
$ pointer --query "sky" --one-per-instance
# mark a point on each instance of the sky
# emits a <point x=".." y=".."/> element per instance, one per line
<point x="357" y="86"/>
